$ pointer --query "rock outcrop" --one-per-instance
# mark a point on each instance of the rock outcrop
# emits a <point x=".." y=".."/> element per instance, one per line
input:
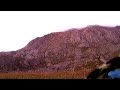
<point x="73" y="49"/>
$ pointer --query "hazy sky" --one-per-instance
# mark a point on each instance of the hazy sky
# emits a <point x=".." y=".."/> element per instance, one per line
<point x="17" y="28"/>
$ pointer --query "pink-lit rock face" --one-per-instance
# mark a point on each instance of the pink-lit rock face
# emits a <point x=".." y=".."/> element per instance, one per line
<point x="82" y="48"/>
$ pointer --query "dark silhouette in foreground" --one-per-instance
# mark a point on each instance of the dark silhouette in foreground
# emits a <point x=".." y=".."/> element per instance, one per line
<point x="109" y="70"/>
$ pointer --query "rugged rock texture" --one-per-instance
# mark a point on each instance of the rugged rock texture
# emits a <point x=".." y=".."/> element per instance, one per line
<point x="73" y="50"/>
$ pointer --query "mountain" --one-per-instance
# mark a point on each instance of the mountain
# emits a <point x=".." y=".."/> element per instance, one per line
<point x="71" y="50"/>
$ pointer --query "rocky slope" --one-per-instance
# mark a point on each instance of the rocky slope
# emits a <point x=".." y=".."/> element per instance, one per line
<point x="73" y="49"/>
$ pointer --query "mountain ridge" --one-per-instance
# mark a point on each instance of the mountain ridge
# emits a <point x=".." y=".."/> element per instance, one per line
<point x="72" y="49"/>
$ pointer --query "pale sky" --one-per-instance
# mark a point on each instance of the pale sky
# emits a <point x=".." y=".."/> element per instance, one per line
<point x="17" y="28"/>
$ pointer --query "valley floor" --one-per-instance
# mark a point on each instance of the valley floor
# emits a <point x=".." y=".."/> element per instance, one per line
<point x="46" y="75"/>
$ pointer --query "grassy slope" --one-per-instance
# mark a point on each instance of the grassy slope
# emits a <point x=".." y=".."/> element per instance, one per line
<point x="51" y="75"/>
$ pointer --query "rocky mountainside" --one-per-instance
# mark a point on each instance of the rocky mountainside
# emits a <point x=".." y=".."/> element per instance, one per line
<point x="73" y="49"/>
